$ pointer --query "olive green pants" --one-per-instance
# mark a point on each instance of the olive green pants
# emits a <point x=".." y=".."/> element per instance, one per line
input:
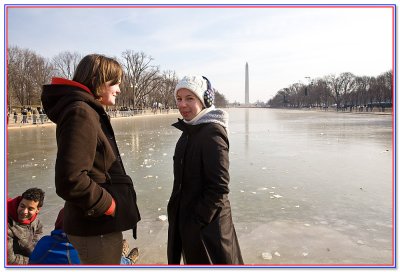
<point x="102" y="249"/>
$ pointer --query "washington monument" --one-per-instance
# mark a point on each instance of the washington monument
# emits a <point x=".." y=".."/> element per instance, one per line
<point x="246" y="98"/>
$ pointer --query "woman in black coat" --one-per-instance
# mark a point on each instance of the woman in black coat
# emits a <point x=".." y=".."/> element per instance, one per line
<point x="201" y="229"/>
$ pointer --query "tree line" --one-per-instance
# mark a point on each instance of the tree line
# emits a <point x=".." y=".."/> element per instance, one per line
<point x="143" y="84"/>
<point x="345" y="91"/>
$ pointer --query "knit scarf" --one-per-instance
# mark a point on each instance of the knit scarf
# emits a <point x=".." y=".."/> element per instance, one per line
<point x="210" y="115"/>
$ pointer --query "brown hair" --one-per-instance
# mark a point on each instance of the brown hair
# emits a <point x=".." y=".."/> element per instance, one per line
<point x="95" y="70"/>
<point x="34" y="194"/>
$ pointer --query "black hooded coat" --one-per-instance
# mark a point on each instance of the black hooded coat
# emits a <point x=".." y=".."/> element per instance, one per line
<point x="199" y="212"/>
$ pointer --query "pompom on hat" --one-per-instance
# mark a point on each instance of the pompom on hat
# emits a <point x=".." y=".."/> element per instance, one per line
<point x="200" y="86"/>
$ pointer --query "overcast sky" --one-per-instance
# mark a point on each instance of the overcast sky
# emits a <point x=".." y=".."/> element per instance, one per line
<point x="282" y="45"/>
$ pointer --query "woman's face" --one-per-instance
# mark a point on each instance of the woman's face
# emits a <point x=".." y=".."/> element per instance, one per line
<point x="109" y="94"/>
<point x="188" y="104"/>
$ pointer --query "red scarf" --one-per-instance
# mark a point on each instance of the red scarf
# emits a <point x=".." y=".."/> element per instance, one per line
<point x="63" y="81"/>
<point x="12" y="205"/>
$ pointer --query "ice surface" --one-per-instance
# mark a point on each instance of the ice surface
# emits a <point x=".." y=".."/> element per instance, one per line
<point x="315" y="183"/>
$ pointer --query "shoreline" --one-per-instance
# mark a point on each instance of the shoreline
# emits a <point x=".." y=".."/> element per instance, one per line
<point x="388" y="112"/>
<point x="12" y="126"/>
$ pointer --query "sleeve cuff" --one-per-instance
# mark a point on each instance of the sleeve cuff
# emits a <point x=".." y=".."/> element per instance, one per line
<point x="111" y="209"/>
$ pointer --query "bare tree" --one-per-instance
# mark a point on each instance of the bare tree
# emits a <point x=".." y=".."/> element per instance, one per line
<point x="281" y="99"/>
<point x="296" y="93"/>
<point x="140" y="75"/>
<point x="65" y="63"/>
<point x="387" y="85"/>
<point x="325" y="92"/>
<point x="220" y="100"/>
<point x="340" y="87"/>
<point x="382" y="90"/>
<point x="168" y="86"/>
<point x="123" y="98"/>
<point x="26" y="73"/>
<point x="344" y="90"/>
<point x="149" y="85"/>
<point x="361" y="90"/>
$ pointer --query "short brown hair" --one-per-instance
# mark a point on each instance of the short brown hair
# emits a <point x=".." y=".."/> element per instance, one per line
<point x="95" y="70"/>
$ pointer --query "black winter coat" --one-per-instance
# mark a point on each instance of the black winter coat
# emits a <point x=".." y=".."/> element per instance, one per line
<point x="199" y="213"/>
<point x="88" y="161"/>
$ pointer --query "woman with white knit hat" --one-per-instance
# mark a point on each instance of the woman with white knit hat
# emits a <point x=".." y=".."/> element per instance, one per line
<point x="201" y="229"/>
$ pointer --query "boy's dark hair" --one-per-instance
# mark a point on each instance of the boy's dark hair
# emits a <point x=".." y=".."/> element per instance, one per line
<point x="34" y="194"/>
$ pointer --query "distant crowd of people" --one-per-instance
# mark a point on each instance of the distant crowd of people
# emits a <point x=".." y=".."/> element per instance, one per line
<point x="28" y="115"/>
<point x="35" y="116"/>
<point x="129" y="111"/>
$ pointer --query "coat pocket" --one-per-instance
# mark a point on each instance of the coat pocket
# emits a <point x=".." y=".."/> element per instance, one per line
<point x="126" y="212"/>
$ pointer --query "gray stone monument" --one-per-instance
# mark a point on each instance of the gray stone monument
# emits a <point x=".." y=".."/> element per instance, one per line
<point x="246" y="98"/>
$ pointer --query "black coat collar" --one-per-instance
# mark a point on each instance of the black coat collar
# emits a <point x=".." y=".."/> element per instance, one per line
<point x="190" y="129"/>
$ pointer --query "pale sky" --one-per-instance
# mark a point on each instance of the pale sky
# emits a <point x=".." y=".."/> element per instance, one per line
<point x="282" y="45"/>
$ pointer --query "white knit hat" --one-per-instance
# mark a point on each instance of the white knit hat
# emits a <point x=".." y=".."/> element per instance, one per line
<point x="199" y="86"/>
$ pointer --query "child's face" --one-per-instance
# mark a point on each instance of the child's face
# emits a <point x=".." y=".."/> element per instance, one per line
<point x="27" y="208"/>
<point x="188" y="104"/>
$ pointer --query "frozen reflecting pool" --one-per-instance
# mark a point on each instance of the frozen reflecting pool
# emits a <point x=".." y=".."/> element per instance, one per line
<point x="306" y="187"/>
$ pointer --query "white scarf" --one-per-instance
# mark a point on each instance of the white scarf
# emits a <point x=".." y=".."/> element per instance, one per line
<point x="199" y="115"/>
